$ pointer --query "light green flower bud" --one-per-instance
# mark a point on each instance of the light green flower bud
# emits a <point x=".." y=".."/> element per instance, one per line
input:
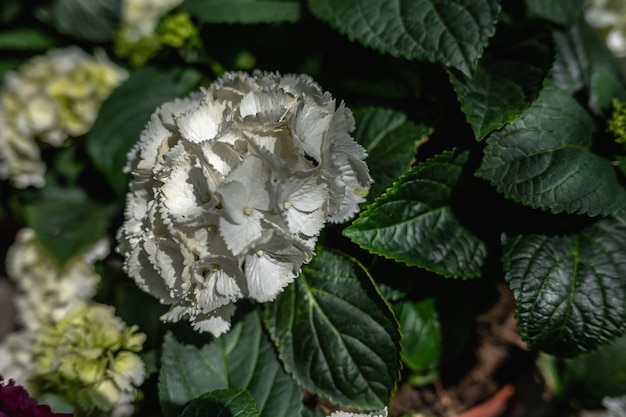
<point x="88" y="359"/>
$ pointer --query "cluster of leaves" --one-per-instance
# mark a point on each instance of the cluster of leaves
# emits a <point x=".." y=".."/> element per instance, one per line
<point x="485" y="122"/>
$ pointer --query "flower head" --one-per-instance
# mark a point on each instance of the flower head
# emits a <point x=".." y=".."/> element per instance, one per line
<point x="16" y="402"/>
<point x="89" y="359"/>
<point x="51" y="98"/>
<point x="47" y="291"/>
<point x="230" y="189"/>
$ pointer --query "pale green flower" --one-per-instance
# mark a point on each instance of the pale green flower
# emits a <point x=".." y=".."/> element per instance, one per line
<point x="50" y="98"/>
<point x="88" y="358"/>
<point x="46" y="291"/>
<point x="231" y="187"/>
<point x="137" y="37"/>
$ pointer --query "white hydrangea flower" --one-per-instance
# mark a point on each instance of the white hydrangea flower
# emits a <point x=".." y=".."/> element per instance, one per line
<point x="141" y="17"/>
<point x="380" y="413"/>
<point x="16" y="357"/>
<point x="230" y="189"/>
<point x="45" y="290"/>
<point x="609" y="18"/>
<point x="51" y="97"/>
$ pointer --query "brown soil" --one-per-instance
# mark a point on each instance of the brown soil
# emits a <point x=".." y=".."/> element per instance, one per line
<point x="483" y="382"/>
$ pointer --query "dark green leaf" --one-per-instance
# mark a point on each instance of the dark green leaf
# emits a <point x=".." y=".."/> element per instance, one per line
<point x="570" y="290"/>
<point x="451" y="32"/>
<point x="562" y="12"/>
<point x="414" y="223"/>
<point x="25" y="39"/>
<point x="605" y="87"/>
<point x="89" y="20"/>
<point x="243" y="11"/>
<point x="243" y="358"/>
<point x="124" y="114"/>
<point x="222" y="403"/>
<point x="391" y="141"/>
<point x="422" y="345"/>
<point x="508" y="79"/>
<point x="69" y="223"/>
<point x="597" y="375"/>
<point x="581" y="54"/>
<point x="336" y="334"/>
<point x="543" y="160"/>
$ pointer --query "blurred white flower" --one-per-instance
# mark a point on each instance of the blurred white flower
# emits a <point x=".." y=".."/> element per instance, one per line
<point x="51" y="97"/>
<point x="141" y="17"/>
<point x="16" y="357"/>
<point x="608" y="17"/>
<point x="45" y="291"/>
<point x="381" y="413"/>
<point x="230" y="189"/>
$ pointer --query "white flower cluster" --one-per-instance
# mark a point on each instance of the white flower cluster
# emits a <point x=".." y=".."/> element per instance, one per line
<point x="230" y="189"/>
<point x="51" y="97"/>
<point x="45" y="291"/>
<point x="609" y="18"/>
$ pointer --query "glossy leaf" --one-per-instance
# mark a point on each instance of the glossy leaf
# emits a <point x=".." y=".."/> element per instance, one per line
<point x="243" y="358"/>
<point x="451" y="32"/>
<point x="335" y="333"/>
<point x="227" y="403"/>
<point x="88" y="20"/>
<point x="508" y="79"/>
<point x="243" y="11"/>
<point x="391" y="141"/>
<point x="413" y="222"/>
<point x="119" y="124"/>
<point x="543" y="160"/>
<point x="569" y="290"/>
<point x="68" y="223"/>
<point x="562" y="12"/>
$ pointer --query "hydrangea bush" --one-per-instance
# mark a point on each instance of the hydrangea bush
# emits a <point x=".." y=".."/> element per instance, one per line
<point x="299" y="208"/>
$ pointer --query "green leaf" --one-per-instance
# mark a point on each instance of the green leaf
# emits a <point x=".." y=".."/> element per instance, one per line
<point x="597" y="375"/>
<point x="508" y="79"/>
<point x="543" y="160"/>
<point x="605" y="87"/>
<point x="88" y="20"/>
<point x="243" y="358"/>
<point x="244" y="11"/>
<point x="391" y="141"/>
<point x="69" y="223"/>
<point x="226" y="403"/>
<point x="335" y="333"/>
<point x="581" y="54"/>
<point x="25" y="39"/>
<point x="413" y="222"/>
<point x="562" y="12"/>
<point x="570" y="290"/>
<point x="125" y="113"/>
<point x="451" y="32"/>
<point x="422" y="345"/>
